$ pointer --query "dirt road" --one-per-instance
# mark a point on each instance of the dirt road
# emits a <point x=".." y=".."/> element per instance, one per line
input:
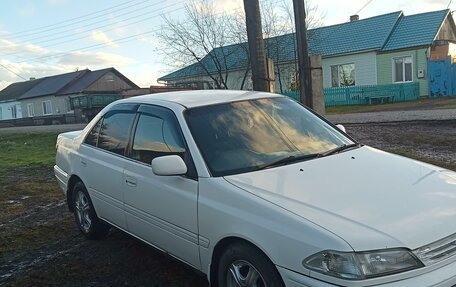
<point x="40" y="245"/>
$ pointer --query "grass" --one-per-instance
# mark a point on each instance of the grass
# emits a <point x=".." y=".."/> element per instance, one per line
<point x="26" y="181"/>
<point x="26" y="150"/>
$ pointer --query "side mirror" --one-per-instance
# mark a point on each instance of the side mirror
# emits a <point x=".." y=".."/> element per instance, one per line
<point x="341" y="127"/>
<point x="169" y="165"/>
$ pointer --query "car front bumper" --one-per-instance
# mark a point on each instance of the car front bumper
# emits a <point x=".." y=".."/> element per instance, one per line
<point x="444" y="276"/>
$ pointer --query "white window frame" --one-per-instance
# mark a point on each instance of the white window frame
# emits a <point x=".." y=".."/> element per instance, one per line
<point x="31" y="109"/>
<point x="393" y="69"/>
<point x="338" y="74"/>
<point x="43" y="105"/>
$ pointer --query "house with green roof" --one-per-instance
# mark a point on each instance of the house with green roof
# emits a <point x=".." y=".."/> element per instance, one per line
<point x="405" y="56"/>
<point x="386" y="50"/>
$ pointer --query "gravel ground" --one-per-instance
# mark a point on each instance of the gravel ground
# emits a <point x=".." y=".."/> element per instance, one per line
<point x="42" y="246"/>
<point x="394" y="116"/>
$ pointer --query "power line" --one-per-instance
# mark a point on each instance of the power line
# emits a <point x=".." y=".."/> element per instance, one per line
<point x="150" y="16"/>
<point x="30" y="31"/>
<point x="364" y="6"/>
<point x="449" y="4"/>
<point x="11" y="71"/>
<point x="90" y="24"/>
<point x="119" y="40"/>
<point x="96" y="46"/>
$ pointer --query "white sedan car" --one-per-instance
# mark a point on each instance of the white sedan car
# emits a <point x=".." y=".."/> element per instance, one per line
<point x="253" y="189"/>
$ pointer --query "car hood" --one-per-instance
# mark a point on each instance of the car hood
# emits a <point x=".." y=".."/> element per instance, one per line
<point x="370" y="198"/>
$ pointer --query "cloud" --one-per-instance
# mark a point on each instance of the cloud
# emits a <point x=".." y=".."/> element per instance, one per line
<point x="229" y="6"/>
<point x="61" y="63"/>
<point x="94" y="59"/>
<point x="18" y="72"/>
<point x="8" y="47"/>
<point x="100" y="36"/>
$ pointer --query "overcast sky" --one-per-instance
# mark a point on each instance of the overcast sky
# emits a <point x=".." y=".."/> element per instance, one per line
<point x="40" y="38"/>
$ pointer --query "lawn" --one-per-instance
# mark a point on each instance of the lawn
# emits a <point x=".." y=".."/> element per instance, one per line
<point x="26" y="150"/>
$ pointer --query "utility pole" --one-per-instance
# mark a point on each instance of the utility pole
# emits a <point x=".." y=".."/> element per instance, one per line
<point x="305" y="84"/>
<point x="256" y="45"/>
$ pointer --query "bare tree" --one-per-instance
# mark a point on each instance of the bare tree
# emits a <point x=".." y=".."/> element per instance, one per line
<point x="278" y="20"/>
<point x="203" y="36"/>
<point x="194" y="40"/>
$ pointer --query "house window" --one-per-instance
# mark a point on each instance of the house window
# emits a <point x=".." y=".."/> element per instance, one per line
<point x="47" y="108"/>
<point x="13" y="112"/>
<point x="343" y="75"/>
<point x="31" y="110"/>
<point x="67" y="106"/>
<point x="402" y="69"/>
<point x="1" y="113"/>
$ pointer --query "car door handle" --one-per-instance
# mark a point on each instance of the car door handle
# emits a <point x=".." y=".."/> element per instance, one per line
<point x="130" y="181"/>
<point x="83" y="163"/>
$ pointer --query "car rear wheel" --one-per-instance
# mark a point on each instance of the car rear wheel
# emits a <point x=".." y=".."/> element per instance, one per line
<point x="243" y="265"/>
<point x="84" y="213"/>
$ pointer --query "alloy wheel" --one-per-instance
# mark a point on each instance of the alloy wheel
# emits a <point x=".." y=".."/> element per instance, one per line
<point x="243" y="274"/>
<point x="82" y="207"/>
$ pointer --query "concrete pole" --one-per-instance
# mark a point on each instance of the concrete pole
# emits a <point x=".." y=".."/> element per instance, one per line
<point x="316" y="74"/>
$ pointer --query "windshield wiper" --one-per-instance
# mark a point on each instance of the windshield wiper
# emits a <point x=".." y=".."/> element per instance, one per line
<point x="288" y="159"/>
<point x="339" y="149"/>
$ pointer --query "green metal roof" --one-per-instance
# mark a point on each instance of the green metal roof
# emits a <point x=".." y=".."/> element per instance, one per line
<point x="384" y="32"/>
<point x="416" y="30"/>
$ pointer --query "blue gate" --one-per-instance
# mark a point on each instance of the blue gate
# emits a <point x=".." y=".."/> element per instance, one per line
<point x="442" y="78"/>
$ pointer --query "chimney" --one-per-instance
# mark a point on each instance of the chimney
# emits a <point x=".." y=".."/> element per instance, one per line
<point x="354" y="18"/>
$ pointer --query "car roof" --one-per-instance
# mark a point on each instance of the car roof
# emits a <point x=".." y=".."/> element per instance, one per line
<point x="196" y="98"/>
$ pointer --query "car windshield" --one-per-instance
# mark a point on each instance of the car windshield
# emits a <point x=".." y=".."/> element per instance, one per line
<point x="255" y="134"/>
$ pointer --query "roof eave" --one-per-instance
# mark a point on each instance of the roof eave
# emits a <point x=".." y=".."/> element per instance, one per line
<point x="405" y="48"/>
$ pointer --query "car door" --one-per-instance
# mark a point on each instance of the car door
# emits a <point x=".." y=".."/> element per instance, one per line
<point x="102" y="159"/>
<point x="161" y="209"/>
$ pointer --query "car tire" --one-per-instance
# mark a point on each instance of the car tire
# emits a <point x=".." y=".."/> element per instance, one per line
<point x="244" y="265"/>
<point x="86" y="219"/>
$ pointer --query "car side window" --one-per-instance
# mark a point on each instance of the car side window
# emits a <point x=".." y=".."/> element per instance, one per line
<point x="156" y="136"/>
<point x="114" y="132"/>
<point x="92" y="137"/>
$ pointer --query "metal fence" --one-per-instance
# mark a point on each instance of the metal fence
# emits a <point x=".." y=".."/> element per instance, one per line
<point x="367" y="95"/>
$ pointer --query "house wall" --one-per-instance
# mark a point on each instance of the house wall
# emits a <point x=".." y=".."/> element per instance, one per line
<point x="109" y="82"/>
<point x="57" y="105"/>
<point x="6" y="110"/>
<point x="365" y="68"/>
<point x="235" y="78"/>
<point x="419" y="62"/>
<point x="285" y="73"/>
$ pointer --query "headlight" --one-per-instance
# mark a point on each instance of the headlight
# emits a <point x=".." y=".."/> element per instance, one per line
<point x="362" y="265"/>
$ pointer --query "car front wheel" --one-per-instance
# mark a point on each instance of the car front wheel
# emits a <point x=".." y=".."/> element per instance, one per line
<point x="86" y="218"/>
<point x="242" y="265"/>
